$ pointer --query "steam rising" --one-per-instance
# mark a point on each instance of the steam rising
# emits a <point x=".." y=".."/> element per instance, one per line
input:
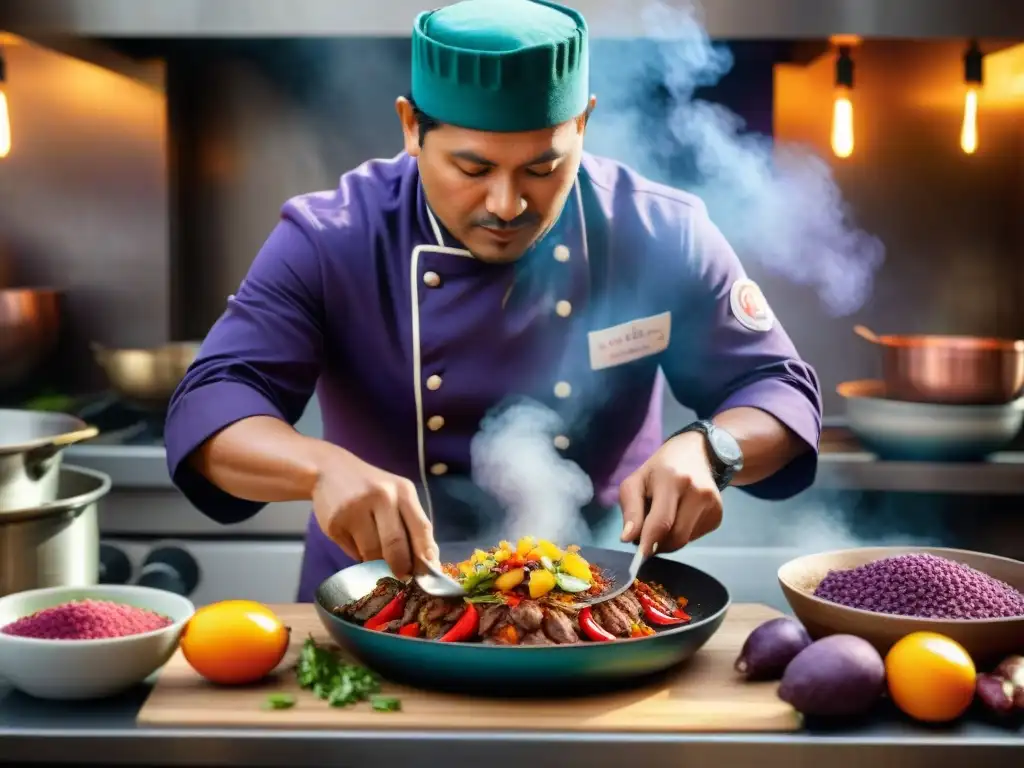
<point x="514" y="459"/>
<point x="778" y="207"/>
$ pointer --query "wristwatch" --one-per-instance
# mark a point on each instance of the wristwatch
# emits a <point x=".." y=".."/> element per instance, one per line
<point x="724" y="453"/>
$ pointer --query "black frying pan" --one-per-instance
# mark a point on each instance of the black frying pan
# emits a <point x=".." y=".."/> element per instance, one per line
<point x="534" y="670"/>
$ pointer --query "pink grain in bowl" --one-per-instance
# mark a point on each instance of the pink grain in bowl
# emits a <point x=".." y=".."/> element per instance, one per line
<point x="86" y="619"/>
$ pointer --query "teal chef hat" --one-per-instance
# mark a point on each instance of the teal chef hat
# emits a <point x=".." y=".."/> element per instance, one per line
<point x="501" y="65"/>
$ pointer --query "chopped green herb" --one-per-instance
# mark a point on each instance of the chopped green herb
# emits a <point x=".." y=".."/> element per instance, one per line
<point x="279" y="701"/>
<point x="330" y="679"/>
<point x="385" y="703"/>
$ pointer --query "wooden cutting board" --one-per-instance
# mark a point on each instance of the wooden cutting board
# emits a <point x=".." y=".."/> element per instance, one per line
<point x="704" y="695"/>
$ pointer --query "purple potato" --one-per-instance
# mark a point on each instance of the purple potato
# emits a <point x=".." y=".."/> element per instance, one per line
<point x="1012" y="668"/>
<point x="770" y="647"/>
<point x="837" y="676"/>
<point x="996" y="694"/>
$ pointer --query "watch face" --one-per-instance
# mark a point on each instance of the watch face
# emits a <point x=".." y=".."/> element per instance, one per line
<point x="725" y="446"/>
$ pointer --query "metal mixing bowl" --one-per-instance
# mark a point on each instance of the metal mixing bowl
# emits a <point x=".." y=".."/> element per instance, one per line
<point x="29" y="327"/>
<point x="147" y="377"/>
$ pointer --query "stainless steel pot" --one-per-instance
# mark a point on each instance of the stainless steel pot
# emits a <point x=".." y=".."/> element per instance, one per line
<point x="146" y="377"/>
<point x="55" y="544"/>
<point x="31" y="446"/>
<point x="29" y="327"/>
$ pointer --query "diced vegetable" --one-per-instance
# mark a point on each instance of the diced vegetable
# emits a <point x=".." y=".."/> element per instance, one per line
<point x="549" y="550"/>
<point x="525" y="545"/>
<point x="479" y="556"/>
<point x="568" y="583"/>
<point x="541" y="582"/>
<point x="466" y="567"/>
<point x="545" y="562"/>
<point x="502" y="555"/>
<point x="380" y="703"/>
<point x="510" y="580"/>
<point x="574" y="565"/>
<point x="533" y="556"/>
<point x="279" y="701"/>
<point x="478" y="581"/>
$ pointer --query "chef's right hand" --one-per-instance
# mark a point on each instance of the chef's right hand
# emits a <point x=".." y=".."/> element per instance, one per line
<point x="372" y="514"/>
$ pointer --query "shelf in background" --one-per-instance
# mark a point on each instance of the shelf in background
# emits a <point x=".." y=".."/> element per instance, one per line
<point x="846" y="465"/>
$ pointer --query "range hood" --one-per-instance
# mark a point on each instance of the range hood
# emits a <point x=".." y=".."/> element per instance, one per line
<point x="724" y="19"/>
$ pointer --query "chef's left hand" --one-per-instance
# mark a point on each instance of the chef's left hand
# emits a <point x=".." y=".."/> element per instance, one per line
<point x="684" y="500"/>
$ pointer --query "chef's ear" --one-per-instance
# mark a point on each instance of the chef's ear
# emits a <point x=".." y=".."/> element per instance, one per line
<point x="410" y="126"/>
<point x="585" y="117"/>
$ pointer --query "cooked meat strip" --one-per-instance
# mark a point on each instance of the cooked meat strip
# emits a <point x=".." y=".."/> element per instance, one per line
<point x="493" y="617"/>
<point x="536" y="638"/>
<point x="613" y="619"/>
<point x="629" y="605"/>
<point x="412" y="605"/>
<point x="558" y="627"/>
<point x="369" y="605"/>
<point x="437" y="607"/>
<point x="528" y="615"/>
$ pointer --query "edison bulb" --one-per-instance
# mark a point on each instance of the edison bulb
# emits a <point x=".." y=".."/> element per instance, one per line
<point x="5" y="126"/>
<point x="969" y="130"/>
<point x="842" y="124"/>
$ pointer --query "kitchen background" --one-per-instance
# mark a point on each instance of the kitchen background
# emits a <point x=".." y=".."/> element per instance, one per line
<point x="147" y="166"/>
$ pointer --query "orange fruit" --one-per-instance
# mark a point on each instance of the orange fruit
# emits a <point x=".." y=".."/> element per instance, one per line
<point x="930" y="677"/>
<point x="234" y="642"/>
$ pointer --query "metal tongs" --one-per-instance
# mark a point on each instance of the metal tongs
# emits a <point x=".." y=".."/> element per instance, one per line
<point x="437" y="583"/>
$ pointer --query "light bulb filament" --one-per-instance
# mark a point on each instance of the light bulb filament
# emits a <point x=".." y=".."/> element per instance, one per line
<point x="842" y="124"/>
<point x="5" y="127"/>
<point x="969" y="130"/>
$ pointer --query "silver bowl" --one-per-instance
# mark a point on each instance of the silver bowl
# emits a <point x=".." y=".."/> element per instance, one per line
<point x="907" y="431"/>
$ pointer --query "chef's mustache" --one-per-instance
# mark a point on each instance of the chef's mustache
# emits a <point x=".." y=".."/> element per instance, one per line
<point x="526" y="218"/>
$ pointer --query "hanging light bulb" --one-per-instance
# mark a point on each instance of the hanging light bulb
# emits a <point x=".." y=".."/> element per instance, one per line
<point x="973" y="79"/>
<point x="5" y="113"/>
<point x="842" y="105"/>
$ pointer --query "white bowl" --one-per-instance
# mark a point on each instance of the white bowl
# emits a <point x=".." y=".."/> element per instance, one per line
<point x="88" y="669"/>
<point x="906" y="431"/>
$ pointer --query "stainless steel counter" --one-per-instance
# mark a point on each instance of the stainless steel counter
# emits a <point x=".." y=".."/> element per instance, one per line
<point x="104" y="733"/>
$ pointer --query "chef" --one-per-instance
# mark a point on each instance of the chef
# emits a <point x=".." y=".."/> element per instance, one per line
<point x="492" y="262"/>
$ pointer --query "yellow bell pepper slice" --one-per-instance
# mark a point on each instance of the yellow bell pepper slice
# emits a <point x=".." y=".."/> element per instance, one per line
<point x="541" y="582"/>
<point x="574" y="565"/>
<point x="549" y="549"/>
<point x="525" y="545"/>
<point x="509" y="580"/>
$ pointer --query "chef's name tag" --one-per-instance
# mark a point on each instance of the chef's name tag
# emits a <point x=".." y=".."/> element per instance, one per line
<point x="630" y="341"/>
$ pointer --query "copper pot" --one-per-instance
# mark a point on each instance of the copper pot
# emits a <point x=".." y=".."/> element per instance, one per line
<point x="955" y="370"/>
<point x="29" y="327"/>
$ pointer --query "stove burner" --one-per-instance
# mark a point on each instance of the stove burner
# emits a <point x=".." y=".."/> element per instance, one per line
<point x="121" y="423"/>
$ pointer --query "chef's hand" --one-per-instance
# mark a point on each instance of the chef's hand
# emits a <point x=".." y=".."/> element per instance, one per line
<point x="684" y="500"/>
<point x="372" y="514"/>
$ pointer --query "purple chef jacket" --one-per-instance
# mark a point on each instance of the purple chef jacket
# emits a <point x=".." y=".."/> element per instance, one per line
<point x="361" y="295"/>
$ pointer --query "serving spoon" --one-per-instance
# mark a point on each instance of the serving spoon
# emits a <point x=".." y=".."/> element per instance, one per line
<point x="437" y="583"/>
<point x="634" y="570"/>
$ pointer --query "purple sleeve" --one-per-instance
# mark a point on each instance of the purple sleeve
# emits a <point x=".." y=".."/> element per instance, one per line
<point x="261" y="358"/>
<point x="716" y="363"/>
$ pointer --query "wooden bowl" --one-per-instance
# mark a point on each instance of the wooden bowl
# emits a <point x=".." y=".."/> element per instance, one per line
<point x="987" y="640"/>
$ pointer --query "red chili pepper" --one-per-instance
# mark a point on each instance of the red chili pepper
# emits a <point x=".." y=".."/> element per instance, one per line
<point x="655" y="614"/>
<point x="388" y="613"/>
<point x="410" y="630"/>
<point x="464" y="628"/>
<point x="591" y="628"/>
<point x="511" y="600"/>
